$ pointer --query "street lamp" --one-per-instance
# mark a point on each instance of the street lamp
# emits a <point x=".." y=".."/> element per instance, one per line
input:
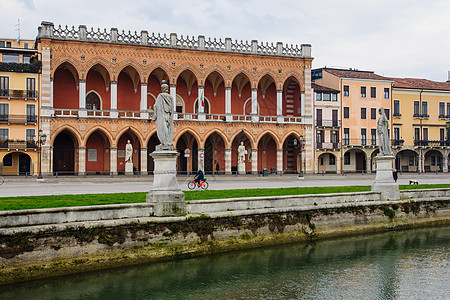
<point x="42" y="137"/>
<point x="299" y="144"/>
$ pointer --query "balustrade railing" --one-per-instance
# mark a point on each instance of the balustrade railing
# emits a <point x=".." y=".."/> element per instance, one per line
<point x="327" y="145"/>
<point x="82" y="33"/>
<point x="179" y="116"/>
<point x="328" y="123"/>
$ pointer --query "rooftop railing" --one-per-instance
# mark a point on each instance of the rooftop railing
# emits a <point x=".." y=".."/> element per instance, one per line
<point x="82" y="33"/>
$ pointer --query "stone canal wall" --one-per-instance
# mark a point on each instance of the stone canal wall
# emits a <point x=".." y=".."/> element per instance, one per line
<point x="74" y="240"/>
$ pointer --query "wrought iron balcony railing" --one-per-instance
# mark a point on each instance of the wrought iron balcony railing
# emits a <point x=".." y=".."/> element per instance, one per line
<point x="9" y="144"/>
<point x="431" y="143"/>
<point x="18" y="119"/>
<point x="8" y="93"/>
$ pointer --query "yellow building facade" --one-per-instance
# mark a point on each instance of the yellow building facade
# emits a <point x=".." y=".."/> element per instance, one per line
<point x="421" y="115"/>
<point x="362" y="94"/>
<point x="19" y="105"/>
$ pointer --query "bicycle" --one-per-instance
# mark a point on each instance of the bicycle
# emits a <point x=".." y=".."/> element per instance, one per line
<point x="203" y="184"/>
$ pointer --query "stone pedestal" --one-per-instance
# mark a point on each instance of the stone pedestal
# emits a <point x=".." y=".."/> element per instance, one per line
<point x="129" y="168"/>
<point x="166" y="195"/>
<point x="384" y="181"/>
<point x="241" y="168"/>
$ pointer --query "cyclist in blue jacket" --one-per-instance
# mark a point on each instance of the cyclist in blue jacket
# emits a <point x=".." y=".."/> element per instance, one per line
<point x="199" y="176"/>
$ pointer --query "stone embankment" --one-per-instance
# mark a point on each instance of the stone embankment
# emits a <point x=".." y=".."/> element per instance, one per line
<point x="49" y="242"/>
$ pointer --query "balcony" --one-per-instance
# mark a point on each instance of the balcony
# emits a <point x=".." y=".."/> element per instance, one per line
<point x="327" y="145"/>
<point x="205" y="117"/>
<point x="328" y="123"/>
<point x="18" y="119"/>
<point x="428" y="143"/>
<point x="361" y="142"/>
<point x="422" y="116"/>
<point x="397" y="115"/>
<point x="397" y="142"/>
<point x="22" y="145"/>
<point x="19" y="94"/>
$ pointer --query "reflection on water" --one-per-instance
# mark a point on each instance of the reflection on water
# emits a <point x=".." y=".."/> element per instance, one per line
<point x="397" y="265"/>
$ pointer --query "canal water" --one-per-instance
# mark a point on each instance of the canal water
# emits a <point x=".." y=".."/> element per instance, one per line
<point x="412" y="264"/>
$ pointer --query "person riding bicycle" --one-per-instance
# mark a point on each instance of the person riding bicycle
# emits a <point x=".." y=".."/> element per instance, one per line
<point x="199" y="176"/>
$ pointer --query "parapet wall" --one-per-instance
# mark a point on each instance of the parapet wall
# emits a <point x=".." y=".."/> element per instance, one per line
<point x="53" y="249"/>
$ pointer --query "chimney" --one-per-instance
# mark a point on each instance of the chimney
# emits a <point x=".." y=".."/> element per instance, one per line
<point x="448" y="80"/>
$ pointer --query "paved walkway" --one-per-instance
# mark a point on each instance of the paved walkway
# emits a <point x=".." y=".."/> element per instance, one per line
<point x="20" y="186"/>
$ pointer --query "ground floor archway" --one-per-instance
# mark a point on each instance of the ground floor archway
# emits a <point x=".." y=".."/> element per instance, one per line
<point x="187" y="146"/>
<point x="354" y="161"/>
<point x="433" y="161"/>
<point x="97" y="153"/>
<point x="407" y="161"/>
<point x="326" y="163"/>
<point x="64" y="153"/>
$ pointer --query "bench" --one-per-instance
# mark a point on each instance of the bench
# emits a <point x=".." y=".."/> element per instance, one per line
<point x="413" y="182"/>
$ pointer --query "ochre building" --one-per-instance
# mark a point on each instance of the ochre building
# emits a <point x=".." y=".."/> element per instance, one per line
<point x="19" y="102"/>
<point x="99" y="88"/>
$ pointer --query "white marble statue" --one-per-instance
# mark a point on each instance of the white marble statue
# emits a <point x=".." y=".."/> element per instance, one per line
<point x="128" y="152"/>
<point x="241" y="153"/>
<point x="384" y="140"/>
<point x="163" y="116"/>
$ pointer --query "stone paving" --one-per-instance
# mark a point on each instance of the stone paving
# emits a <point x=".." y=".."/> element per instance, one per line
<point x="20" y="186"/>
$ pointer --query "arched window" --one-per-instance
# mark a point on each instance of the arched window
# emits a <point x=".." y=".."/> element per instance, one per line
<point x="93" y="101"/>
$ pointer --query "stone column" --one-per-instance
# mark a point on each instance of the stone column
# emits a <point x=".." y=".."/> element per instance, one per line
<point x="82" y="98"/>
<point x="173" y="93"/>
<point x="228" y="102"/>
<point x="420" y="166"/>
<point x="368" y="164"/>
<point x="254" y="101"/>
<point x="254" y="105"/>
<point x="114" y="113"/>
<point x="143" y="104"/>
<point x="81" y="161"/>
<point x="254" y="161"/>
<point x="201" y="159"/>
<point x="445" y="162"/>
<point x="200" y="103"/>
<point x="144" y="155"/>
<point x="227" y="161"/>
<point x="280" y="160"/>
<point x="113" y="160"/>
<point x="279" y="102"/>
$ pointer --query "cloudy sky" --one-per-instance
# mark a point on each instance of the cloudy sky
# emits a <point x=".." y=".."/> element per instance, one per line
<point x="398" y="38"/>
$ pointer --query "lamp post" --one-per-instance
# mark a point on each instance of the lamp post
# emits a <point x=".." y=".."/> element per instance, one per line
<point x="299" y="144"/>
<point x="42" y="137"/>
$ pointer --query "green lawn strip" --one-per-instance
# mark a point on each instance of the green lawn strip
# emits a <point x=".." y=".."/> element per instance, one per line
<point x="33" y="202"/>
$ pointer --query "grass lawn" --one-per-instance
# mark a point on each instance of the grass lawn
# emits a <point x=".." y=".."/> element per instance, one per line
<point x="31" y="202"/>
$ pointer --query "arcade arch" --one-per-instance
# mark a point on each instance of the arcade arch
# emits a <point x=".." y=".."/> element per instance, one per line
<point x="187" y="146"/>
<point x="128" y="89"/>
<point x="65" y="160"/>
<point x="65" y="87"/>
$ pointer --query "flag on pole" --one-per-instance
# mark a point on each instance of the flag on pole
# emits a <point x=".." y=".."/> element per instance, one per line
<point x="203" y="100"/>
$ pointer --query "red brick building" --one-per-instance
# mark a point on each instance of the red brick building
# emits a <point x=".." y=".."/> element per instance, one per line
<point x="99" y="87"/>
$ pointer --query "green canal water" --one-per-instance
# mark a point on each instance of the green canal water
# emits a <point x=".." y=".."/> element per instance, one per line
<point x="412" y="264"/>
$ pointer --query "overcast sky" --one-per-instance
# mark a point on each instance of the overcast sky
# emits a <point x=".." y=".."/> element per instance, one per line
<point x="398" y="38"/>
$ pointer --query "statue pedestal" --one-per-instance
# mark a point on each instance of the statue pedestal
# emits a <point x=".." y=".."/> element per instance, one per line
<point x="166" y="195"/>
<point x="384" y="181"/>
<point x="129" y="168"/>
<point x="241" y="168"/>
